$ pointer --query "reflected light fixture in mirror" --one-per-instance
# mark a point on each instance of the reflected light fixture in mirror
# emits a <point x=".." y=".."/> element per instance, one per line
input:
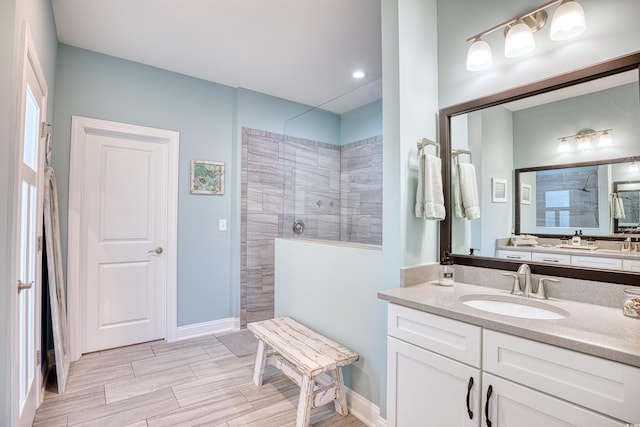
<point x="563" y="146"/>
<point x="633" y="167"/>
<point x="568" y="21"/>
<point x="584" y="138"/>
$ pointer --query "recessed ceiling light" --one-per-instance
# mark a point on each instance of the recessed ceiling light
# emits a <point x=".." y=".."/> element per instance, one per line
<point x="359" y="74"/>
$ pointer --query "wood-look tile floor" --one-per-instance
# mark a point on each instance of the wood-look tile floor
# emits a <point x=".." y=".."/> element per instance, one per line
<point x="196" y="382"/>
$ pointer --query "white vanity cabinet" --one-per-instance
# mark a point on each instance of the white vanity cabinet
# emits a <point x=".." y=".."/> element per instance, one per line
<point x="430" y="388"/>
<point x="431" y="360"/>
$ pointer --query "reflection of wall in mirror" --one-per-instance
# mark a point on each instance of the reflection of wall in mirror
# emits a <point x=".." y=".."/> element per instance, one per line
<point x="489" y="136"/>
<point x="537" y="129"/>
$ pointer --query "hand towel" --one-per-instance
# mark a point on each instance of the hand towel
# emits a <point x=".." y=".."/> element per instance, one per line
<point x="458" y="209"/>
<point x="469" y="190"/>
<point x="617" y="207"/>
<point x="429" y="195"/>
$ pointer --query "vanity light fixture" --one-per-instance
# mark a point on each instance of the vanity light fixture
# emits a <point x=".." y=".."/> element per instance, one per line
<point x="584" y="138"/>
<point x="633" y="167"/>
<point x="568" y="21"/>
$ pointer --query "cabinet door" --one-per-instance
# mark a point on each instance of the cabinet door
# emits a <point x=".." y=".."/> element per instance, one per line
<point x="631" y="265"/>
<point x="426" y="389"/>
<point x="597" y="262"/>
<point x="510" y="405"/>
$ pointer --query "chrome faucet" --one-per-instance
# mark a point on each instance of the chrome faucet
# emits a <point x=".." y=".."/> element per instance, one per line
<point x="524" y="274"/>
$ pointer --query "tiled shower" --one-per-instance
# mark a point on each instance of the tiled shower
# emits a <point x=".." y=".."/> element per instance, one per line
<point x="334" y="190"/>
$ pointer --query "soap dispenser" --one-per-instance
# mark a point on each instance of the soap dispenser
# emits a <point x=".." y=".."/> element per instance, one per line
<point x="446" y="271"/>
<point x="576" y="239"/>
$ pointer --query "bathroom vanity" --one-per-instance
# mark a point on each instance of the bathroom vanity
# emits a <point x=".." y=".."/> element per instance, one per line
<point x="451" y="364"/>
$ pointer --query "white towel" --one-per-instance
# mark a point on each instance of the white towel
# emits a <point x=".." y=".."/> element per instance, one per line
<point x="617" y="207"/>
<point x="458" y="209"/>
<point x="429" y="195"/>
<point x="469" y="190"/>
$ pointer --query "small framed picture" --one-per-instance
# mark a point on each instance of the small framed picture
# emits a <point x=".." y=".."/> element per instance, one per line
<point x="498" y="190"/>
<point x="207" y="177"/>
<point x="525" y="194"/>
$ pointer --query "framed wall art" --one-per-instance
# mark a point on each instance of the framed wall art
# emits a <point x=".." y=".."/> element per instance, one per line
<point x="525" y="194"/>
<point x="207" y="177"/>
<point x="499" y="190"/>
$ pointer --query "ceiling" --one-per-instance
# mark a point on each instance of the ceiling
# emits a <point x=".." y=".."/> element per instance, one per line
<point x="299" y="50"/>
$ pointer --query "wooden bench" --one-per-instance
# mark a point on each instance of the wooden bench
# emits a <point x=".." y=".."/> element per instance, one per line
<point x="311" y="360"/>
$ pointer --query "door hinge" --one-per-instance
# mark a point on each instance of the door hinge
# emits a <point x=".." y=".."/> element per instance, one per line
<point x="38" y="357"/>
<point x="43" y="129"/>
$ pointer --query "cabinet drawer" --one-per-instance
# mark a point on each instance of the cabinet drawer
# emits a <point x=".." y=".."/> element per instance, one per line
<point x="552" y="258"/>
<point x="631" y="265"/>
<point x="605" y="386"/>
<point x="597" y="262"/>
<point x="451" y="338"/>
<point x="519" y="255"/>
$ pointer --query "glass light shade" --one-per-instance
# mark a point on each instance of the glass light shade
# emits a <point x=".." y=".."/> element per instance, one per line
<point x="563" y="146"/>
<point x="519" y="41"/>
<point x="479" y="56"/>
<point x="605" y="139"/>
<point x="568" y="21"/>
<point x="633" y="167"/>
<point x="584" y="143"/>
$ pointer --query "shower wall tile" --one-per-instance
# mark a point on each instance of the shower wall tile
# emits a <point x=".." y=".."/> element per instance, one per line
<point x="262" y="227"/>
<point x="312" y="179"/>
<point x="329" y="158"/>
<point x="253" y="200"/>
<point x="272" y="200"/>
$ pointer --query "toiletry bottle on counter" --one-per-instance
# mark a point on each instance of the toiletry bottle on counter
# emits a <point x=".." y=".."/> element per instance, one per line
<point x="446" y="270"/>
<point x="576" y="239"/>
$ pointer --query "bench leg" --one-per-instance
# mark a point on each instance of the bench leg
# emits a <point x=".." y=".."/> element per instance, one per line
<point x="261" y="361"/>
<point x="305" y="402"/>
<point x="341" y="398"/>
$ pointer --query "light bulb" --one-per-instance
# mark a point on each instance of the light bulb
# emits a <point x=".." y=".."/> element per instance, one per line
<point x="568" y="21"/>
<point x="479" y="56"/>
<point x="519" y="41"/>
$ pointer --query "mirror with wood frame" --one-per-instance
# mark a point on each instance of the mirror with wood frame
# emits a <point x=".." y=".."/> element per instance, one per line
<point x="514" y="137"/>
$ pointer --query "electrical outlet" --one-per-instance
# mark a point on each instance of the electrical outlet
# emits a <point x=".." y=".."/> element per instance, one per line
<point x="222" y="225"/>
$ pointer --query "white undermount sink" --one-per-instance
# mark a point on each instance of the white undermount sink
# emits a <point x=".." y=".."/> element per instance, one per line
<point x="514" y="306"/>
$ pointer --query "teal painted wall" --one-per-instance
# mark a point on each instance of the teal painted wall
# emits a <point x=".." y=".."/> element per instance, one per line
<point x="107" y="88"/>
<point x="361" y="123"/>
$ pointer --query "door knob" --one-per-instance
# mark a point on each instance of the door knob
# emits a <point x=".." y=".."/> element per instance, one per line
<point x="23" y="286"/>
<point x="157" y="250"/>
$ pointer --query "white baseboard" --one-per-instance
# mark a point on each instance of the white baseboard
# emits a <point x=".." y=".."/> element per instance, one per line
<point x="364" y="410"/>
<point x="208" y="328"/>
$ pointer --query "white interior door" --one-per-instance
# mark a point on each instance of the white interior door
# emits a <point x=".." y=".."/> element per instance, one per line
<point x="125" y="232"/>
<point x="29" y="234"/>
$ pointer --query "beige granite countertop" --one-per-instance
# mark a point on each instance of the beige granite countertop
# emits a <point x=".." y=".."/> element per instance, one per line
<point x="592" y="329"/>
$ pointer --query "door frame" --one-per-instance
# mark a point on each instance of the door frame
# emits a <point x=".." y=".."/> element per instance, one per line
<point x="28" y="59"/>
<point x="76" y="253"/>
